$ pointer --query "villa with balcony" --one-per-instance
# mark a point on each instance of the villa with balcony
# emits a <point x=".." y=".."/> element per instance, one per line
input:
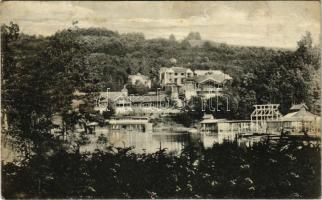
<point x="202" y="83"/>
<point x="174" y="75"/>
<point x="206" y="84"/>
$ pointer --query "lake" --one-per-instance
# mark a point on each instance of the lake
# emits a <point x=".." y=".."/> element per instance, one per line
<point x="151" y="142"/>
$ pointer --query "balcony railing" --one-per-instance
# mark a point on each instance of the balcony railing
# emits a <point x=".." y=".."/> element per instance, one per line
<point x="209" y="90"/>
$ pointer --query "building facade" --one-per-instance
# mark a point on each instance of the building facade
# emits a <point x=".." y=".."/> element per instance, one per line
<point x="204" y="83"/>
<point x="139" y="79"/>
<point x="174" y="75"/>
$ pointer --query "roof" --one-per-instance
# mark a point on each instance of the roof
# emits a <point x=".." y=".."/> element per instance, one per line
<point x="175" y="69"/>
<point x="299" y="106"/>
<point x="138" y="75"/>
<point x="147" y="99"/>
<point x="209" y="121"/>
<point x="127" y="121"/>
<point x="113" y="96"/>
<point x="179" y="69"/>
<point x="212" y="121"/>
<point x="208" y="116"/>
<point x="203" y="72"/>
<point x="301" y="115"/>
<point x="212" y="72"/>
<point x="210" y="77"/>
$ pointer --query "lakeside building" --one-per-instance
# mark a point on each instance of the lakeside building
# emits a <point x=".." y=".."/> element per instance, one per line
<point x="210" y="124"/>
<point x="125" y="104"/>
<point x="118" y="100"/>
<point x="148" y="101"/>
<point x="267" y="119"/>
<point x="137" y="124"/>
<point x="139" y="79"/>
<point x="298" y="120"/>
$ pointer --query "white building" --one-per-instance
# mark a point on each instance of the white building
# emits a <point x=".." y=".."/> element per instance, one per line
<point x="298" y="121"/>
<point x="140" y="79"/>
<point x="174" y="75"/>
<point x="184" y="81"/>
<point x="119" y="100"/>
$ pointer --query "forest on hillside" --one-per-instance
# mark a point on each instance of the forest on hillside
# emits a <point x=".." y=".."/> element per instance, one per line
<point x="94" y="59"/>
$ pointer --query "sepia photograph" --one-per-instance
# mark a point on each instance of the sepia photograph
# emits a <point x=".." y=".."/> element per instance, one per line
<point x="160" y="100"/>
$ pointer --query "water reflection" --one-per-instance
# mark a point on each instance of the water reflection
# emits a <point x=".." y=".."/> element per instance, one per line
<point x="151" y="142"/>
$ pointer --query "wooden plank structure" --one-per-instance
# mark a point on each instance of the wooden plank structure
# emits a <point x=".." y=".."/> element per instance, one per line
<point x="262" y="114"/>
<point x="140" y="124"/>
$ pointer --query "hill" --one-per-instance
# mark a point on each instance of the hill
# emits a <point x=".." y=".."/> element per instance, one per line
<point x="95" y="59"/>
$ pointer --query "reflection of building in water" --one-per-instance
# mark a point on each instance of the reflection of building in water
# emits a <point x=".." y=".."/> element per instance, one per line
<point x="149" y="142"/>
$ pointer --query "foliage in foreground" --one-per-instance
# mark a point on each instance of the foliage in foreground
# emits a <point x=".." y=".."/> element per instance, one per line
<point x="228" y="170"/>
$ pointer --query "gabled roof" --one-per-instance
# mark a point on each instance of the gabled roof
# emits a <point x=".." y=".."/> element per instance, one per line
<point x="204" y="72"/>
<point x="113" y="96"/>
<point x="301" y="115"/>
<point x="298" y="107"/>
<point x="215" y="75"/>
<point x="210" y="77"/>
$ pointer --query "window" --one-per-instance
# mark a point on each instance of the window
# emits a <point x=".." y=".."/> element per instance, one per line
<point x="182" y="74"/>
<point x="175" y="80"/>
<point x="176" y="74"/>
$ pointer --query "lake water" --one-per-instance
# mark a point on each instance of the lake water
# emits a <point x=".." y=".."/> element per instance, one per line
<point x="151" y="142"/>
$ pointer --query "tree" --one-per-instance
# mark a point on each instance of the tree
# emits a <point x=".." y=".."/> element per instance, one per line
<point x="193" y="36"/>
<point x="137" y="89"/>
<point x="110" y="110"/>
<point x="172" y="37"/>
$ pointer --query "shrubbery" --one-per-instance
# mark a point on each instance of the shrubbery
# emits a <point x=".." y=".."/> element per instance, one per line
<point x="228" y="170"/>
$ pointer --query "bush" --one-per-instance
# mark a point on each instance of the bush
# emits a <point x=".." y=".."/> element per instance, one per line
<point x="228" y="170"/>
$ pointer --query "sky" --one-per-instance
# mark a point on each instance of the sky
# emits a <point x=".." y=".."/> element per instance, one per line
<point x="258" y="23"/>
